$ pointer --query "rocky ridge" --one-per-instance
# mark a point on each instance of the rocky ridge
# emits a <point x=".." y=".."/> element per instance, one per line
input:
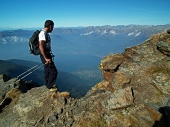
<point x="134" y="93"/>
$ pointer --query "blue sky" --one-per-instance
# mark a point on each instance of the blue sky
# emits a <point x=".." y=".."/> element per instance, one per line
<point x="73" y="13"/>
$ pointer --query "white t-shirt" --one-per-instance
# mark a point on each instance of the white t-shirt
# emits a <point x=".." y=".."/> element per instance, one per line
<point x="42" y="36"/>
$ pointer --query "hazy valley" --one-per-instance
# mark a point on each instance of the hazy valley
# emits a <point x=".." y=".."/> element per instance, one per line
<point x="78" y="52"/>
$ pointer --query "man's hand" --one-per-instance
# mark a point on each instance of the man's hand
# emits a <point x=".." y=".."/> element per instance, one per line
<point x="47" y="60"/>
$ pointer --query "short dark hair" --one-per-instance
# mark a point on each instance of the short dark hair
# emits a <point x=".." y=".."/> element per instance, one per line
<point x="48" y="23"/>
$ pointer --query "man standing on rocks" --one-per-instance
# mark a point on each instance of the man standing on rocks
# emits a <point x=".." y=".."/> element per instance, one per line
<point x="50" y="71"/>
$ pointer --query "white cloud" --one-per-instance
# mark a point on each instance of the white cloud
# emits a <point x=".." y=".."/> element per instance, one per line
<point x="4" y="41"/>
<point x="13" y="39"/>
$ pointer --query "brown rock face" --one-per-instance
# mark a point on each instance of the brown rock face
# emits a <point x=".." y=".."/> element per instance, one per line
<point x="144" y="68"/>
<point x="135" y="92"/>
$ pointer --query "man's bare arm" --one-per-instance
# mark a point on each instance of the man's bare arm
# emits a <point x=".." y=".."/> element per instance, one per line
<point x="41" y="47"/>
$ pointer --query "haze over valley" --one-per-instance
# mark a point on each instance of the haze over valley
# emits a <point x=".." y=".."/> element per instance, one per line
<point x="78" y="50"/>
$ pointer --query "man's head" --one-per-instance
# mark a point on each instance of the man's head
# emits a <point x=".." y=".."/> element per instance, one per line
<point x="49" y="25"/>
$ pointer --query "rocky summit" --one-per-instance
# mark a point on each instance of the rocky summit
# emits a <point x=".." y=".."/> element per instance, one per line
<point x="135" y="92"/>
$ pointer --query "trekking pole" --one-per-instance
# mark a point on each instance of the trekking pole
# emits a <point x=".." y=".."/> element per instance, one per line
<point x="30" y="71"/>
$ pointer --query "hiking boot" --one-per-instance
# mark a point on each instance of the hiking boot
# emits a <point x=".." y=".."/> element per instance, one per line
<point x="53" y="89"/>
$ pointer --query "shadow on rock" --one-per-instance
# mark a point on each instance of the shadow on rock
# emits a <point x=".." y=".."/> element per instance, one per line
<point x="6" y="78"/>
<point x="24" y="86"/>
<point x="165" y="119"/>
<point x="7" y="101"/>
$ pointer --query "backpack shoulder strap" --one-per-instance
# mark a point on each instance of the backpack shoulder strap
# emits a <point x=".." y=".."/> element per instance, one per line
<point x="47" y="37"/>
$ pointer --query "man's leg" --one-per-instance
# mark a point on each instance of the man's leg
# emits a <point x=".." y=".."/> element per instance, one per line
<point x="46" y="70"/>
<point x="52" y="75"/>
<point x="46" y="74"/>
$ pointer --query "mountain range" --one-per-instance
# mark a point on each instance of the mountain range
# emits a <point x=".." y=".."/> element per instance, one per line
<point x="93" y="40"/>
<point x="134" y="92"/>
<point x="78" y="50"/>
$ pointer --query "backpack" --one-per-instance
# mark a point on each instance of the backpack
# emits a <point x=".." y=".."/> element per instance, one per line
<point x="34" y="43"/>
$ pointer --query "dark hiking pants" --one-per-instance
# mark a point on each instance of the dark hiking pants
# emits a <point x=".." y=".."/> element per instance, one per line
<point x="50" y="72"/>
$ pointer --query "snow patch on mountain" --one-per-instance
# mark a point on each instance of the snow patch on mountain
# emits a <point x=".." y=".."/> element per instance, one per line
<point x="100" y="32"/>
<point x="112" y="32"/>
<point x="130" y="34"/>
<point x="137" y="34"/>
<point x="104" y="32"/>
<point x="87" y="33"/>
